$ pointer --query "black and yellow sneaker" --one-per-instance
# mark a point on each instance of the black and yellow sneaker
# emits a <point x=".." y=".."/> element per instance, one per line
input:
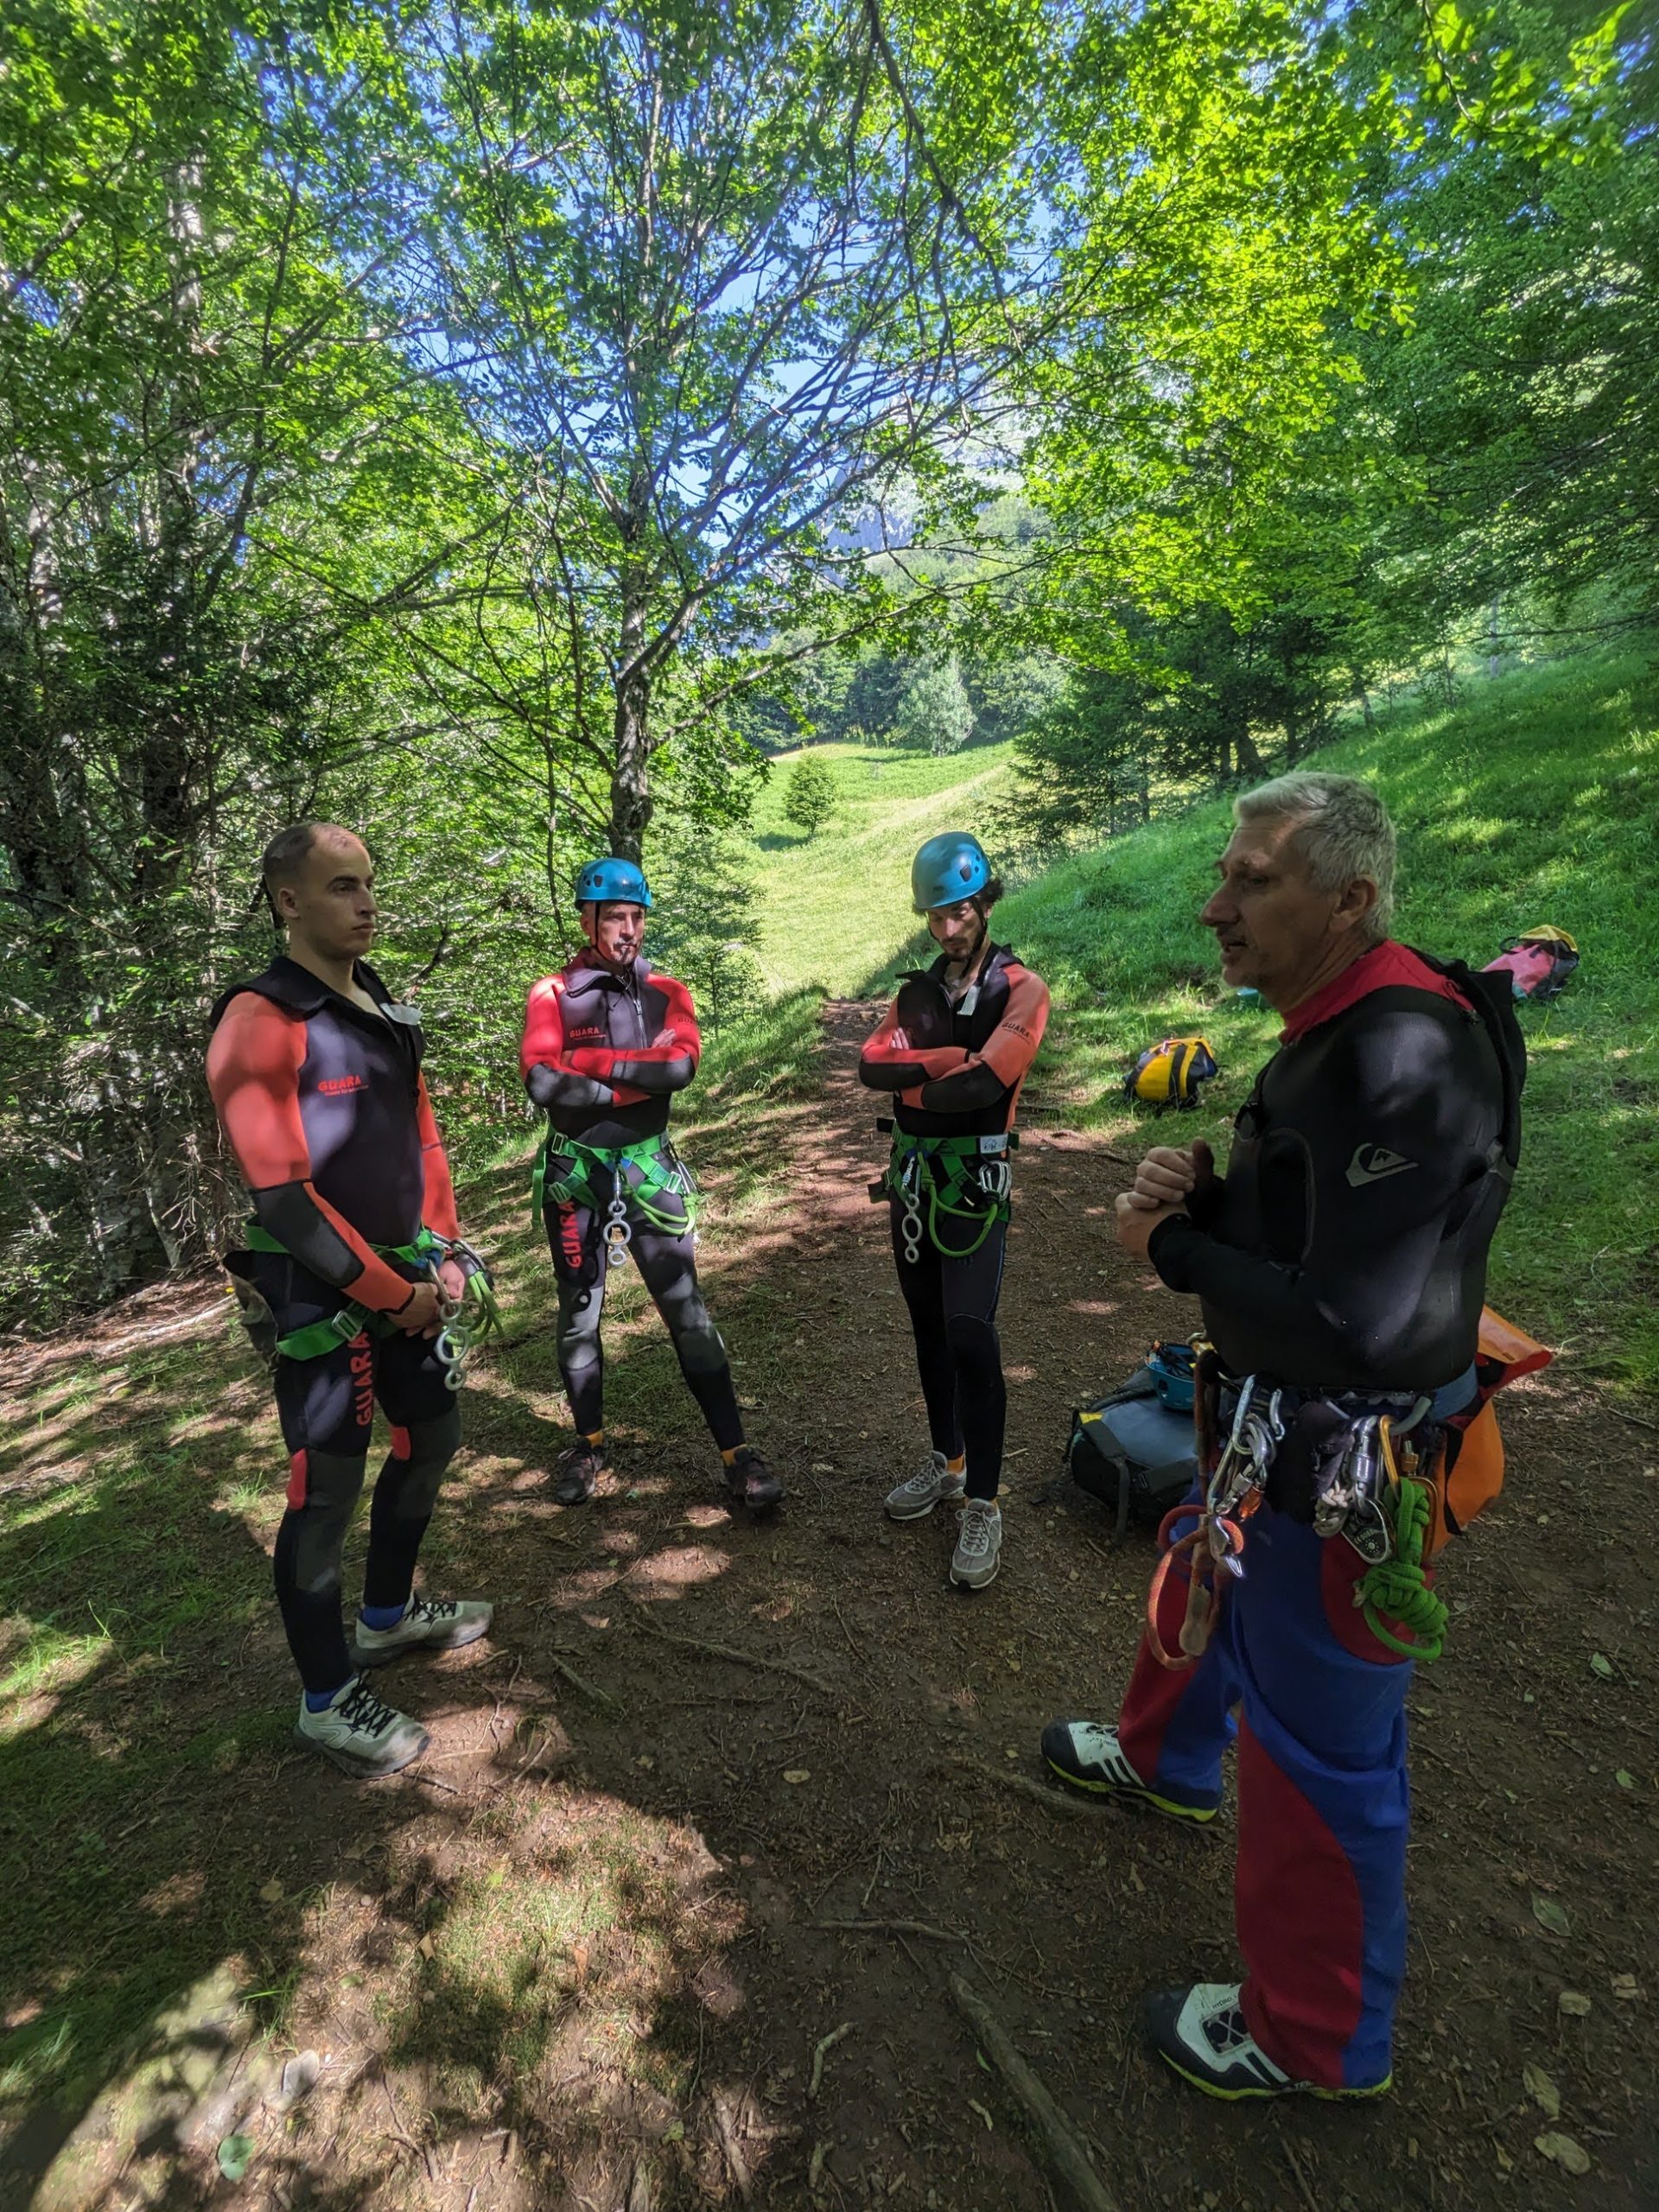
<point x="578" y="1473"/>
<point x="1202" y="2032"/>
<point x="1090" y="1757"/>
<point x="750" y="1481"/>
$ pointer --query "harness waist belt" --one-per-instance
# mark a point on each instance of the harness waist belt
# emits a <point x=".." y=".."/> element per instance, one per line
<point x="319" y="1336"/>
<point x="660" y="1168"/>
<point x="966" y="1178"/>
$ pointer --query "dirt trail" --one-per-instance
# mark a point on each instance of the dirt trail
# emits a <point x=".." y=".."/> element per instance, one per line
<point x="741" y="1806"/>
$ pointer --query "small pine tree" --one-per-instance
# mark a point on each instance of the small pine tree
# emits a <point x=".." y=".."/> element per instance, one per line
<point x="811" y="796"/>
<point x="936" y="713"/>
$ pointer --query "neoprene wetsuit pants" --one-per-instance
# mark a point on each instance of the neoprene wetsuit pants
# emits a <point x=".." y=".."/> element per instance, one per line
<point x="667" y="1264"/>
<point x="1319" y="1890"/>
<point x="327" y="1409"/>
<point x="952" y="1305"/>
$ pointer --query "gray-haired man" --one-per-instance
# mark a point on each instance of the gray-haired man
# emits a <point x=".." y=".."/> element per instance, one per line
<point x="1341" y="1264"/>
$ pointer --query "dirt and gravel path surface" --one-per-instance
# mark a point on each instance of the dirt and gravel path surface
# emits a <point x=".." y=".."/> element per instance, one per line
<point x="587" y="1955"/>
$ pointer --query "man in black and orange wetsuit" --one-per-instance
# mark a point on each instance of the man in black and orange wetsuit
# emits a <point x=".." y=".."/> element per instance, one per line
<point x="606" y="1044"/>
<point x="316" y="1071"/>
<point x="954" y="1048"/>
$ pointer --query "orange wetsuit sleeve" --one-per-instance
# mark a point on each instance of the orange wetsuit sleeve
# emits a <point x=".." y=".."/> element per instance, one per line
<point x="890" y="1062"/>
<point x="253" y="1072"/>
<point x="549" y="1068"/>
<point x="438" y="1210"/>
<point x="1001" y="1062"/>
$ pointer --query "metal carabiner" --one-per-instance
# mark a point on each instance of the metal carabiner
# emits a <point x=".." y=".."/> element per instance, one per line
<point x="617" y="1233"/>
<point x="910" y="1200"/>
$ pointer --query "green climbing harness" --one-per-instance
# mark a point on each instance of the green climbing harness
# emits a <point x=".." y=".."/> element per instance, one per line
<point x="467" y="1321"/>
<point x="1394" y="1590"/>
<point x="958" y="1179"/>
<point x="320" y="1337"/>
<point x="660" y="1172"/>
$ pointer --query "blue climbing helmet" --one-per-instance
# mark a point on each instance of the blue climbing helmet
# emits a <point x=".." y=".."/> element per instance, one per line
<point x="613" y="879"/>
<point x="950" y="866"/>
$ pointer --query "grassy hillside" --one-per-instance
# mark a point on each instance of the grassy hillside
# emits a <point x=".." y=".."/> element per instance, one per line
<point x="1529" y="800"/>
<point x="838" y="903"/>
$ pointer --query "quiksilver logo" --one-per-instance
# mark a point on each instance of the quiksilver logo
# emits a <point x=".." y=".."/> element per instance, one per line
<point x="1371" y="1163"/>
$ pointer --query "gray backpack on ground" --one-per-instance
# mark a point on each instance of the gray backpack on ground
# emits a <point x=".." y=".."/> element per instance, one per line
<point x="1132" y="1451"/>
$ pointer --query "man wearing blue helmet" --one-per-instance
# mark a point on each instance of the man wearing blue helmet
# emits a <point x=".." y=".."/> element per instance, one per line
<point x="608" y="1042"/>
<point x="954" y="1048"/>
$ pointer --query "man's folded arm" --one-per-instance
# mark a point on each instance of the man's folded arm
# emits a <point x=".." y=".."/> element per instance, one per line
<point x="890" y="1062"/>
<point x="253" y="1066"/>
<point x="1001" y="1061"/>
<point x="550" y="1076"/>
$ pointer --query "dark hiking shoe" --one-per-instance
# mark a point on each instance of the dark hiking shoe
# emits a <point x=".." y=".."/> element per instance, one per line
<point x="1089" y="1758"/>
<point x="750" y="1481"/>
<point x="579" y="1470"/>
<point x="361" y="1733"/>
<point x="1201" y="2031"/>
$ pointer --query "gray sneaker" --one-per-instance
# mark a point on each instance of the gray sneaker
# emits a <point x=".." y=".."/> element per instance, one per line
<point x="429" y="1625"/>
<point x="931" y="1484"/>
<point x="361" y="1733"/>
<point x="979" y="1544"/>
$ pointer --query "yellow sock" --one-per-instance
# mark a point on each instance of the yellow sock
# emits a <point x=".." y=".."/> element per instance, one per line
<point x="958" y="1466"/>
<point x="598" y="1437"/>
<point x="730" y="1458"/>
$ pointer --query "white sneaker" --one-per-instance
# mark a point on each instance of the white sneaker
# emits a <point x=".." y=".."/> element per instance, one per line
<point x="1201" y="2031"/>
<point x="1090" y="1757"/>
<point x="979" y="1544"/>
<point x="429" y="1625"/>
<point x="361" y="1733"/>
<point x="931" y="1484"/>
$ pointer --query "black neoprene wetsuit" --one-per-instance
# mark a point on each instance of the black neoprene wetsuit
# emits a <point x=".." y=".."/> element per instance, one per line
<point x="603" y="1054"/>
<point x="326" y="1110"/>
<point x="954" y="1064"/>
<point x="1346" y="1247"/>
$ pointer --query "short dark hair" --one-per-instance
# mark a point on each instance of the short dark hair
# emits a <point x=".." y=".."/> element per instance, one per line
<point x="987" y="898"/>
<point x="287" y="854"/>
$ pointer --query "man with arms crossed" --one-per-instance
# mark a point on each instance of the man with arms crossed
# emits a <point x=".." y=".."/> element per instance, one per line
<point x="1341" y="1263"/>
<point x="609" y="1043"/>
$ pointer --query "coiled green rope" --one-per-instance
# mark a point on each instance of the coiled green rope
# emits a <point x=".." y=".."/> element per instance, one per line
<point x="1396" y="1587"/>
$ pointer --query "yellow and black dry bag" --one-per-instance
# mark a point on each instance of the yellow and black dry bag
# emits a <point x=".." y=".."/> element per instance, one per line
<point x="1170" y="1072"/>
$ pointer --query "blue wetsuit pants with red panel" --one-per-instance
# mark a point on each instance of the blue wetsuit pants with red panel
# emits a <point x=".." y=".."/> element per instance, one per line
<point x="1319" y="1889"/>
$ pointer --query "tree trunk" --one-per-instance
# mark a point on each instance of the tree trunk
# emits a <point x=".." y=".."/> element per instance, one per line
<point x="1494" y="652"/>
<point x="1248" y="761"/>
<point x="1365" y="699"/>
<point x="631" y="777"/>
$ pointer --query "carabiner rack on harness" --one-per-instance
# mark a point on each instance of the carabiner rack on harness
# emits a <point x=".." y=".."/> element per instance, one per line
<point x="619" y="1234"/>
<point x="1216" y="1542"/>
<point x="910" y="1200"/>
<point x="1242" y="1470"/>
<point x="467" y="1319"/>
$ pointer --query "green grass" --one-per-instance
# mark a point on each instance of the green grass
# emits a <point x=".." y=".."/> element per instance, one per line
<point x="837" y="904"/>
<point x="1529" y="800"/>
